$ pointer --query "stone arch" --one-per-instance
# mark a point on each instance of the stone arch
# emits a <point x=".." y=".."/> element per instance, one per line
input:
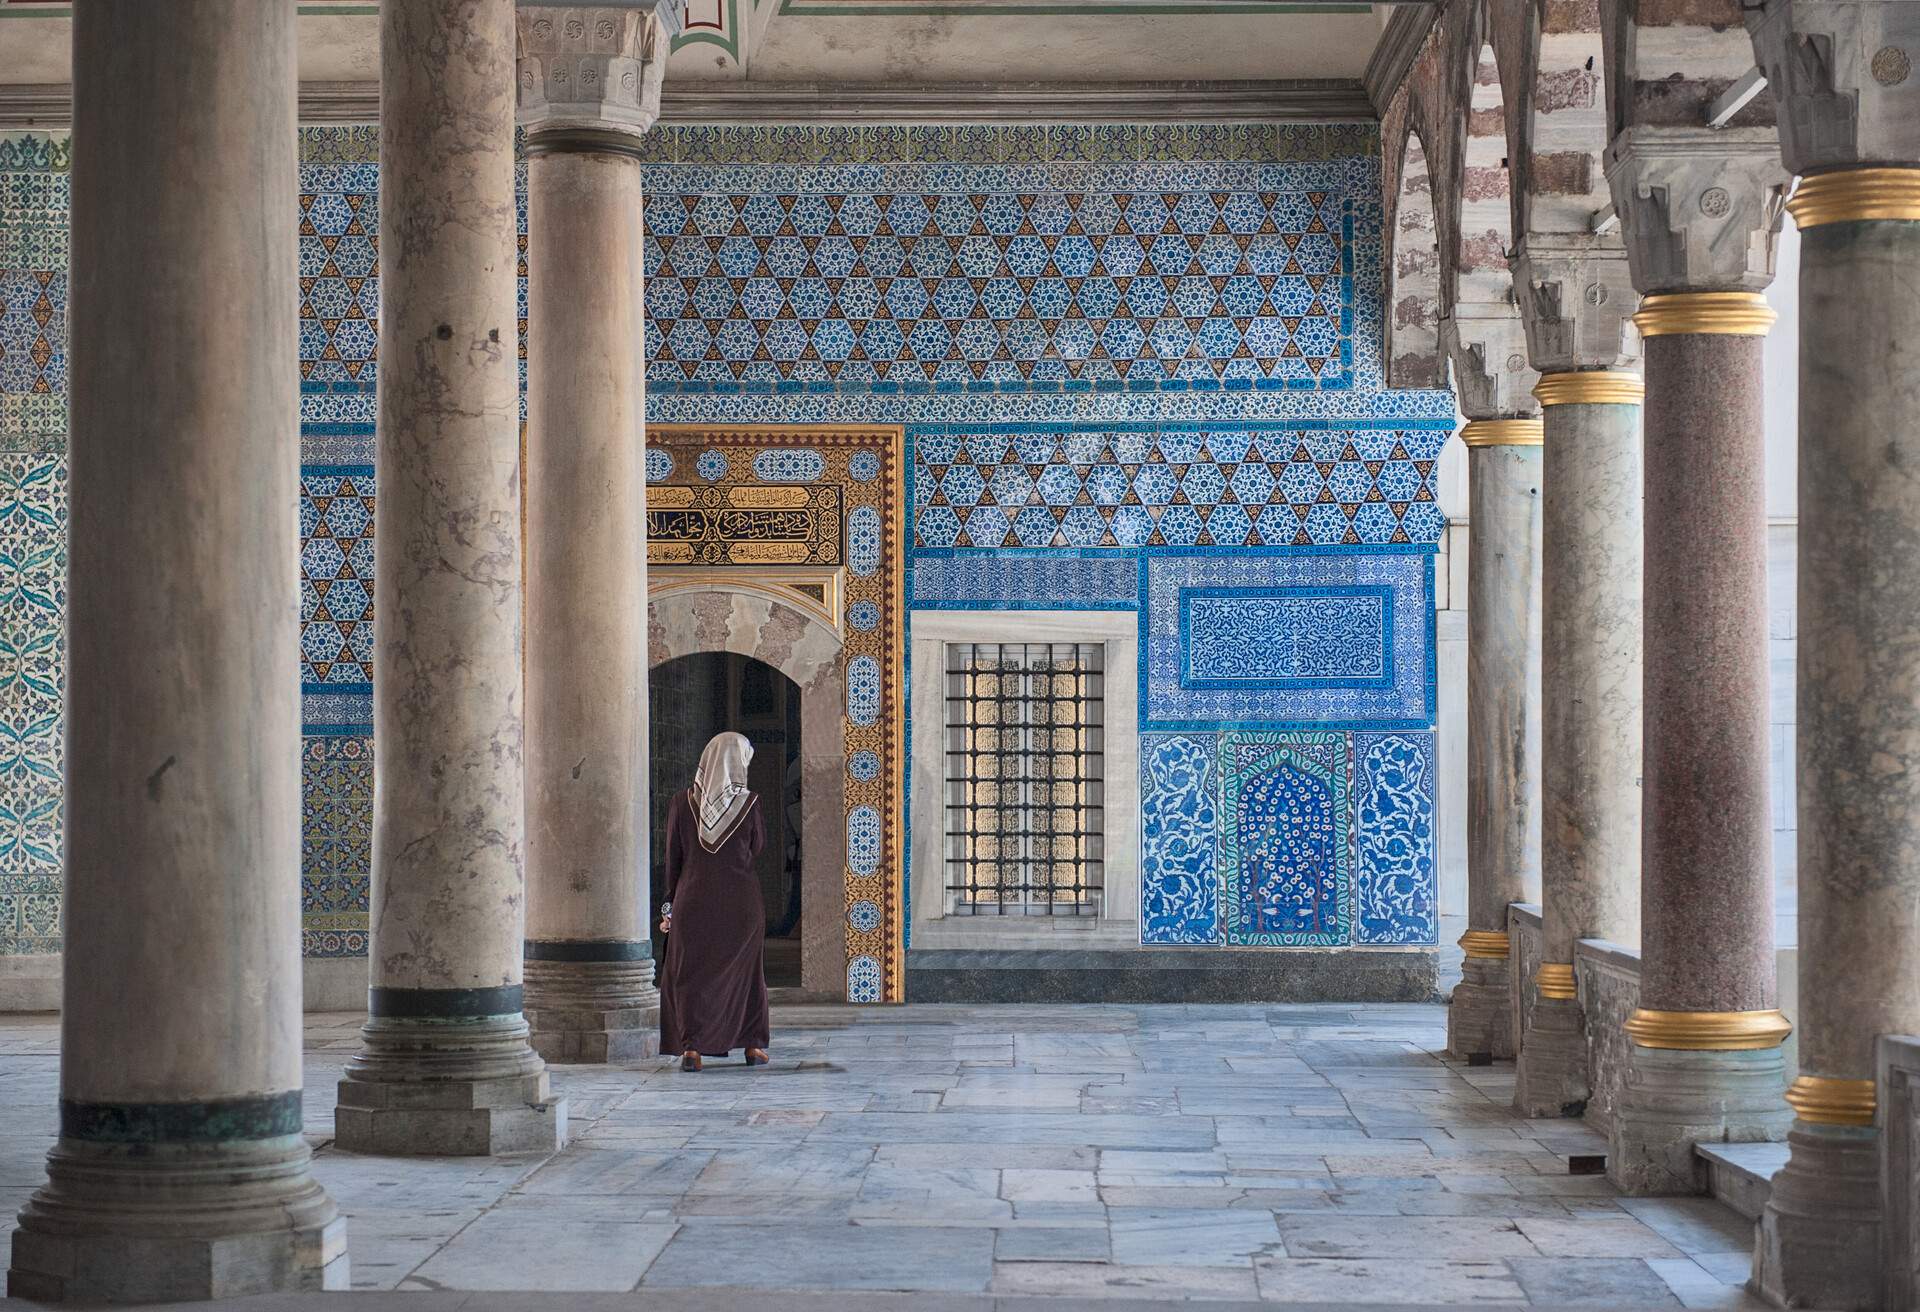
<point x="1414" y="304"/>
<point x="1549" y="58"/>
<point x="1483" y="336"/>
<point x="686" y="616"/>
<point x="1486" y="214"/>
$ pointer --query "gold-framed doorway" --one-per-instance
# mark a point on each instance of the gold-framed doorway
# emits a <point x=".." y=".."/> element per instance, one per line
<point x="812" y="516"/>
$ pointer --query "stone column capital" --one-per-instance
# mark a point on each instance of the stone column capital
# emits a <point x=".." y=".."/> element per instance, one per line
<point x="1844" y="79"/>
<point x="1491" y="373"/>
<point x="592" y="69"/>
<point x="1700" y="209"/>
<point x="1576" y="302"/>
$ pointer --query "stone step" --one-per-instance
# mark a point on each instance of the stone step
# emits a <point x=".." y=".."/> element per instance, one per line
<point x="1741" y="1174"/>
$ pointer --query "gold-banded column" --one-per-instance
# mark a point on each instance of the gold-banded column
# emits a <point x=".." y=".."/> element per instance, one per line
<point x="1503" y="722"/>
<point x="1698" y="211"/>
<point x="1845" y="82"/>
<point x="1590" y="731"/>
<point x="1858" y="720"/>
<point x="1706" y="1062"/>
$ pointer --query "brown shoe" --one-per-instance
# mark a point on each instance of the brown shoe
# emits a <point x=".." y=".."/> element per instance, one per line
<point x="689" y="1061"/>
<point x="757" y="1057"/>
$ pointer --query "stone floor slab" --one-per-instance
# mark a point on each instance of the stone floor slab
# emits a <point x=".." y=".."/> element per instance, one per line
<point x="1075" y="1170"/>
<point x="807" y="1255"/>
<point x="1321" y="1280"/>
<point x="522" y="1249"/>
<point x="1609" y="1282"/>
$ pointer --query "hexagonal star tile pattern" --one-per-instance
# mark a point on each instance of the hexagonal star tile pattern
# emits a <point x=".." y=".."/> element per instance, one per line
<point x="34" y="191"/>
<point x="947" y="279"/>
<point x="1181" y="487"/>
<point x="339" y="271"/>
<point x="336" y="578"/>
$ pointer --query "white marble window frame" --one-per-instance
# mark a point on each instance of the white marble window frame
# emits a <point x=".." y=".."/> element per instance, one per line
<point x="1118" y="924"/>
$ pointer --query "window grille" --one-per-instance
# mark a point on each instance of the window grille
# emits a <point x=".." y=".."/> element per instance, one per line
<point x="1026" y="793"/>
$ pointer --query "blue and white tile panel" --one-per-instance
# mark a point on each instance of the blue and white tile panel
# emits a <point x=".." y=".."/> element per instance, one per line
<point x="1362" y="659"/>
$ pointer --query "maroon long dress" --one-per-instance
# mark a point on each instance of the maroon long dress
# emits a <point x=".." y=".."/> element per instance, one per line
<point x="713" y="994"/>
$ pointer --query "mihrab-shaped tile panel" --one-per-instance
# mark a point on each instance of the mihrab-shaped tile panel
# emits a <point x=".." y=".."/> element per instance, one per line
<point x="1286" y="844"/>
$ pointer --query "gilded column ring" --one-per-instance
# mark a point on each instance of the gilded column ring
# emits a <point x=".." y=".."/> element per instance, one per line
<point x="1502" y="432"/>
<point x="1591" y="387"/>
<point x="1712" y="1031"/>
<point x="1821" y="1100"/>
<point x="1855" y="196"/>
<point x="1485" y="944"/>
<point x="1740" y="314"/>
<point x="1555" y="980"/>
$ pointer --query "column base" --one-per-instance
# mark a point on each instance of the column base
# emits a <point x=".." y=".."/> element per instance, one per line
<point x="1820" y="1235"/>
<point x="1676" y="1098"/>
<point x="593" y="1012"/>
<point x="1480" y="1014"/>
<point x="448" y="1089"/>
<point x="1551" y="1077"/>
<point x="162" y="1223"/>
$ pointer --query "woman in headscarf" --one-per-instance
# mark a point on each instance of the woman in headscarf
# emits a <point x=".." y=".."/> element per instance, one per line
<point x="713" y="993"/>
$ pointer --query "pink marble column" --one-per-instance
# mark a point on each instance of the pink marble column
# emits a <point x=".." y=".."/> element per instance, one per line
<point x="1706" y="1037"/>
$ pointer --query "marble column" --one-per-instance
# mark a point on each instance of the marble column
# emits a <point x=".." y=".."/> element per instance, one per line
<point x="446" y="1067"/>
<point x="1590" y="722"/>
<point x="1850" y="127"/>
<point x="1575" y="299"/>
<point x="1699" y="209"/>
<point x="1503" y="722"/>
<point x="589" y="90"/>
<point x="180" y="1171"/>
<point x="1486" y="344"/>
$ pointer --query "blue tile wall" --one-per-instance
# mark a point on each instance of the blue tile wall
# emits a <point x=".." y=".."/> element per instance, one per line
<point x="33" y="537"/>
<point x="931" y="274"/>
<point x="1179" y="833"/>
<point x="1327" y="637"/>
<point x="1025" y="580"/>
<point x="1369" y="482"/>
<point x="336" y="578"/>
<point x="1396" y="900"/>
<point x="1129" y="358"/>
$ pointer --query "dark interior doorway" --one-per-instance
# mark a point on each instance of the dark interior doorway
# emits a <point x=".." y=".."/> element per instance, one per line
<point x="692" y="698"/>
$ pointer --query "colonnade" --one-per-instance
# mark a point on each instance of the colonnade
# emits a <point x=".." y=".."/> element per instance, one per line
<point x="509" y="825"/>
<point x="1653" y="785"/>
<point x="1608" y="593"/>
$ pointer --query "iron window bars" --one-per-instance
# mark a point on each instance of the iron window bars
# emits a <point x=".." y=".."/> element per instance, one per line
<point x="1026" y="792"/>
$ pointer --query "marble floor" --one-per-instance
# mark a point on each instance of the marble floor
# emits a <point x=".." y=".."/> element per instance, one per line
<point x="1008" y="1156"/>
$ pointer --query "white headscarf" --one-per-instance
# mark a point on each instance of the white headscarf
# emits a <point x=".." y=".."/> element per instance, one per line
<point x="720" y="795"/>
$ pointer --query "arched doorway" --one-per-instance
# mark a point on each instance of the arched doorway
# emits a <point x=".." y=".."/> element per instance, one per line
<point x="696" y="696"/>
<point x="694" y="618"/>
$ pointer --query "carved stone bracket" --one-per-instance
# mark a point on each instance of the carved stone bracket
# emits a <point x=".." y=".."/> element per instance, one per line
<point x="1700" y="209"/>
<point x="1845" y="77"/>
<point x="593" y="68"/>
<point x="1491" y="373"/>
<point x="1576" y="302"/>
